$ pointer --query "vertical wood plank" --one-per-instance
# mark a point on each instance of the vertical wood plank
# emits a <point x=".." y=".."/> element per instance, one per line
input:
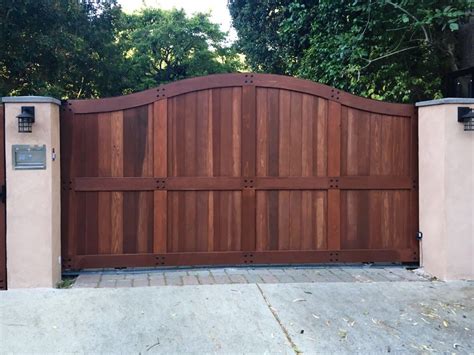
<point x="273" y="212"/>
<point x="284" y="220"/>
<point x="320" y="220"/>
<point x="249" y="138"/>
<point x="225" y="119"/>
<point x="3" y="268"/>
<point x="105" y="169"/>
<point x="216" y="131"/>
<point x="308" y="158"/>
<point x="189" y="221"/>
<point x="273" y="131"/>
<point x="248" y="130"/>
<point x="334" y="169"/>
<point x="248" y="220"/>
<point x="66" y="151"/>
<point x="117" y="171"/>
<point x="284" y="133"/>
<point x="91" y="168"/>
<point x="202" y="217"/>
<point x="236" y="132"/>
<point x="237" y="220"/>
<point x="262" y="221"/>
<point x="210" y="221"/>
<point x="334" y="219"/>
<point x="262" y="132"/>
<point x="321" y="143"/>
<point x="203" y="134"/>
<point x="295" y="146"/>
<point x="413" y="220"/>
<point x="160" y="158"/>
<point x="306" y="221"/>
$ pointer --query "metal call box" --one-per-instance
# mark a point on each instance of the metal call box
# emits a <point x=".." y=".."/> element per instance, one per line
<point x="29" y="157"/>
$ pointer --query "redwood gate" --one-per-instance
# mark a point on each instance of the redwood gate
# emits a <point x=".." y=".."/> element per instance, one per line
<point x="3" y="196"/>
<point x="238" y="169"/>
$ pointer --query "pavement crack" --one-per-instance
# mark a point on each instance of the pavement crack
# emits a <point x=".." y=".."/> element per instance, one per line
<point x="277" y="318"/>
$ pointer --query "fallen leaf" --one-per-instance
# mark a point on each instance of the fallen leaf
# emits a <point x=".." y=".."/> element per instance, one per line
<point x="342" y="334"/>
<point x="445" y="323"/>
<point x="299" y="300"/>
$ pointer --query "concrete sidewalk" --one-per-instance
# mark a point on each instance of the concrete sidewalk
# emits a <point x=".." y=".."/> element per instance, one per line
<point x="336" y="317"/>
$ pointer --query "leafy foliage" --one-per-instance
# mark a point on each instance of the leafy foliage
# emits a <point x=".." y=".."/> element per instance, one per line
<point x="382" y="49"/>
<point x="164" y="46"/>
<point x="79" y="49"/>
<point x="59" y="48"/>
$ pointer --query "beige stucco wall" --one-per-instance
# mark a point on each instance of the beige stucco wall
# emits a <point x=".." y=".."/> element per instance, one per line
<point x="446" y="172"/>
<point x="33" y="202"/>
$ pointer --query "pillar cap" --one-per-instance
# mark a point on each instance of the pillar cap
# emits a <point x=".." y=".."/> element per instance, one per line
<point x="31" y="99"/>
<point x="447" y="100"/>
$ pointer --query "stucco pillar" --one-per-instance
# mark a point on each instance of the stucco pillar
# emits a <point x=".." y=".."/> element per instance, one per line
<point x="33" y="197"/>
<point x="446" y="173"/>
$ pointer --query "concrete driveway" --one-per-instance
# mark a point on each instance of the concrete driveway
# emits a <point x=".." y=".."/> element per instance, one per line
<point x="336" y="317"/>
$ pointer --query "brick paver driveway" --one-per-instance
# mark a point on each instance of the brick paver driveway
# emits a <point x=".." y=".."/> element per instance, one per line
<point x="238" y="275"/>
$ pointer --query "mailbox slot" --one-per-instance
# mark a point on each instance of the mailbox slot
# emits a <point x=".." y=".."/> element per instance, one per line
<point x="29" y="157"/>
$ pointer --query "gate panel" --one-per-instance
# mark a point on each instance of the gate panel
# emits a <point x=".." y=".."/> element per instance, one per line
<point x="298" y="225"/>
<point x="201" y="221"/>
<point x="3" y="249"/>
<point x="238" y="169"/>
<point x="204" y="138"/>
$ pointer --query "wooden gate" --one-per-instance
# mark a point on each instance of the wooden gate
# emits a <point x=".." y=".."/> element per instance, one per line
<point x="3" y="248"/>
<point x="238" y="169"/>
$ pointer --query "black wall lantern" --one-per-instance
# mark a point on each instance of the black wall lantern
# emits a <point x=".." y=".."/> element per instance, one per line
<point x="26" y="119"/>
<point x="466" y="116"/>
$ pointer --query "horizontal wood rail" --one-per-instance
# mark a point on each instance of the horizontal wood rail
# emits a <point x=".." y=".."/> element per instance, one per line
<point x="237" y="183"/>
<point x="240" y="258"/>
<point x="115" y="184"/>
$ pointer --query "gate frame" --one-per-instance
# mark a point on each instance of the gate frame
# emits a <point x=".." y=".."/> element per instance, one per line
<point x="3" y="222"/>
<point x="334" y="183"/>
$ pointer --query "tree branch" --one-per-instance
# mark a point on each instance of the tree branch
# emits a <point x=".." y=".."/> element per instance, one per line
<point x="427" y="37"/>
<point x="370" y="61"/>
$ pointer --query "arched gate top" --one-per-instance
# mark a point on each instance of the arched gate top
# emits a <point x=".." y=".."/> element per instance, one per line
<point x="238" y="79"/>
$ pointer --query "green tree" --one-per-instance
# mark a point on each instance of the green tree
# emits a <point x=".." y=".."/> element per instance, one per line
<point x="62" y="48"/>
<point x="383" y="49"/>
<point x="166" y="45"/>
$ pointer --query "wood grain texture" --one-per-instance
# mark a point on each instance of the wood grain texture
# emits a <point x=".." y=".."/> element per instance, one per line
<point x="209" y="82"/>
<point x="334" y="169"/>
<point x="243" y="168"/>
<point x="160" y="165"/>
<point x="249" y="145"/>
<point x="3" y="249"/>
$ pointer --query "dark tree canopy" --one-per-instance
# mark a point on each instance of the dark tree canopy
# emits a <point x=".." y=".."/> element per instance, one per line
<point x="398" y="50"/>
<point x="83" y="48"/>
<point x="60" y="48"/>
<point x="164" y="46"/>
